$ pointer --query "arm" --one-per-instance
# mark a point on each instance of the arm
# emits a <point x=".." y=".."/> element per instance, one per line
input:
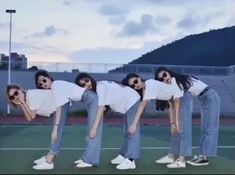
<point x="56" y="124"/>
<point x="172" y="117"/>
<point x="29" y="114"/>
<point x="171" y="112"/>
<point x="177" y="116"/>
<point x="138" y="114"/>
<point x="99" y="116"/>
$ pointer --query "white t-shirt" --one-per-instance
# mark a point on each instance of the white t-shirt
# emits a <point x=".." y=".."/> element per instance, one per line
<point x="197" y="87"/>
<point x="158" y="90"/>
<point x="42" y="101"/>
<point x="64" y="92"/>
<point x="120" y="98"/>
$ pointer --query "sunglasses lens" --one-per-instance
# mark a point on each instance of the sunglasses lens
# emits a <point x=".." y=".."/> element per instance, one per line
<point x="11" y="97"/>
<point x="82" y="84"/>
<point x="15" y="93"/>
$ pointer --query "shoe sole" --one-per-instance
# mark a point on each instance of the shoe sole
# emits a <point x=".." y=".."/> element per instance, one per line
<point x="163" y="162"/>
<point x="114" y="163"/>
<point x="44" y="169"/>
<point x="176" y="167"/>
<point x="127" y="168"/>
<point x="195" y="164"/>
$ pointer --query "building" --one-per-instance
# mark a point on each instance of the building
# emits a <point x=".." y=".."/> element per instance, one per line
<point x="18" y="61"/>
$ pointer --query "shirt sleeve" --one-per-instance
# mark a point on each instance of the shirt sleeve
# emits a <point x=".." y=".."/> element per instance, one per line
<point x="149" y="89"/>
<point x="102" y="94"/>
<point x="31" y="100"/>
<point x="177" y="92"/>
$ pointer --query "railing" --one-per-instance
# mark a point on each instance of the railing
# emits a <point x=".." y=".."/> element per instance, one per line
<point x="120" y="68"/>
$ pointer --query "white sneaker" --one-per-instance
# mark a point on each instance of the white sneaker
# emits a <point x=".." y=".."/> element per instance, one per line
<point x="78" y="161"/>
<point x="126" y="164"/>
<point x="83" y="164"/>
<point x="117" y="160"/>
<point x="177" y="164"/>
<point x="40" y="160"/>
<point x="166" y="159"/>
<point x="44" y="166"/>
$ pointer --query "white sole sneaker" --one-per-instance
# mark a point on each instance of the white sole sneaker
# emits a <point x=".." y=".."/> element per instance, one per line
<point x="165" y="160"/>
<point x="40" y="160"/>
<point x="78" y="161"/>
<point x="83" y="164"/>
<point x="44" y="166"/>
<point x="126" y="165"/>
<point x="177" y="164"/>
<point x="117" y="160"/>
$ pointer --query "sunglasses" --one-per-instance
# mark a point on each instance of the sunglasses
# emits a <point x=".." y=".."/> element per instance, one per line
<point x="86" y="80"/>
<point x="134" y="83"/>
<point x="44" y="81"/>
<point x="164" y="75"/>
<point x="11" y="97"/>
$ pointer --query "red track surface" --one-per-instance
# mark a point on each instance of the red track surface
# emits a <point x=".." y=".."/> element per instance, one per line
<point x="112" y="121"/>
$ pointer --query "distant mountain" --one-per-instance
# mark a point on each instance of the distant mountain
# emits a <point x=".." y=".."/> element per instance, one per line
<point x="213" y="48"/>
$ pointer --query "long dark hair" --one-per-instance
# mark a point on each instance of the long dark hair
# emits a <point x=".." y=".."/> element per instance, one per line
<point x="183" y="81"/>
<point x="41" y="73"/>
<point x="81" y="76"/>
<point x="126" y="79"/>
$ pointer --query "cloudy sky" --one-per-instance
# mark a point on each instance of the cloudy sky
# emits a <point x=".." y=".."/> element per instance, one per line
<point x="105" y="31"/>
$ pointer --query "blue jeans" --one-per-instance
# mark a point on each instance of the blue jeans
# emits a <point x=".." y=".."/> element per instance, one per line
<point x="92" y="152"/>
<point x="181" y="144"/>
<point x="131" y="146"/>
<point x="55" y="147"/>
<point x="210" y="111"/>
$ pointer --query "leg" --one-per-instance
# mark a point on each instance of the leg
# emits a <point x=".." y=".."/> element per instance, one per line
<point x="186" y="109"/>
<point x="185" y="136"/>
<point x="210" y="104"/>
<point x="92" y="152"/>
<point x="55" y="147"/>
<point x="133" y="140"/>
<point x="47" y="162"/>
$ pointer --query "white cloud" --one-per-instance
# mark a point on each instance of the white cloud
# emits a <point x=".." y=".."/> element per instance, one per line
<point x="72" y="29"/>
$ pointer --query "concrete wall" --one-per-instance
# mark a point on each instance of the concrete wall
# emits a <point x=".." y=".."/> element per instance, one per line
<point x="225" y="85"/>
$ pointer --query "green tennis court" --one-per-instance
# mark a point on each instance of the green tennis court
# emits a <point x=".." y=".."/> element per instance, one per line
<point x="20" y="145"/>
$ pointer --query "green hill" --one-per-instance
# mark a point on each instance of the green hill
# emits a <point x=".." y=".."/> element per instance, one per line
<point x="212" y="48"/>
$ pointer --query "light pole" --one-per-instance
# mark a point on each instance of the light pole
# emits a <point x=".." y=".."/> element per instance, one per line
<point x="10" y="11"/>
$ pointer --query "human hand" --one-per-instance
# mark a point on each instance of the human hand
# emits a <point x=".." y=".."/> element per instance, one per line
<point x="177" y="125"/>
<point x="173" y="128"/>
<point x="132" y="129"/>
<point x="92" y="133"/>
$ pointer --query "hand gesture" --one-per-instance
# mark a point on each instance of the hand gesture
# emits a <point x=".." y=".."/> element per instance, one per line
<point x="132" y="129"/>
<point x="173" y="128"/>
<point x="21" y="97"/>
<point x="92" y="133"/>
<point x="177" y="125"/>
<point x="17" y="102"/>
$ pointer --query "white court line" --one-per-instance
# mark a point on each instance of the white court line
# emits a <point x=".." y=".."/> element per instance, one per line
<point x="74" y="148"/>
